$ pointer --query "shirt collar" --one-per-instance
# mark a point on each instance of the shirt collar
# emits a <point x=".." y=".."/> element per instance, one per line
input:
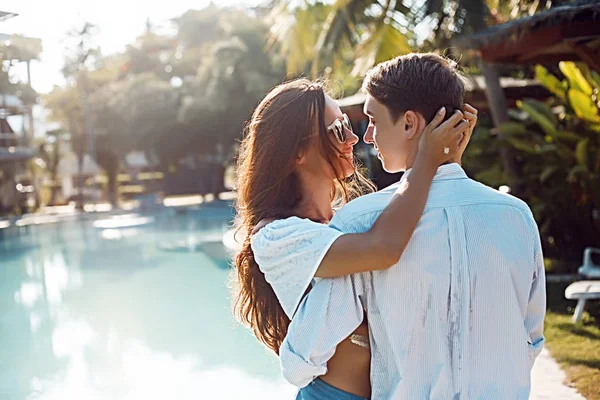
<point x="444" y="173"/>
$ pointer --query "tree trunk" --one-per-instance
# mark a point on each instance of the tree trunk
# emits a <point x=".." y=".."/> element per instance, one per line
<point x="80" y="182"/>
<point x="499" y="111"/>
<point x="112" y="174"/>
<point x="217" y="179"/>
<point x="31" y="133"/>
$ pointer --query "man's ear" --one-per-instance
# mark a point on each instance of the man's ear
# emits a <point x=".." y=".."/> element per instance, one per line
<point x="411" y="120"/>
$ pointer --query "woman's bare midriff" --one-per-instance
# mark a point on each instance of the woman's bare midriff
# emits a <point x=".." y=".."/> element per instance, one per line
<point x="349" y="368"/>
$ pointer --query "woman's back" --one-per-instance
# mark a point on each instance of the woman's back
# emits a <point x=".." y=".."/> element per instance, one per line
<point x="349" y="368"/>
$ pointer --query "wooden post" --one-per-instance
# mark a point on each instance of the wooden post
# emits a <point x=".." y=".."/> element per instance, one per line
<point x="499" y="111"/>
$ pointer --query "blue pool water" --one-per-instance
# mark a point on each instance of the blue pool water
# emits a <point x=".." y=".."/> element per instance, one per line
<point x="95" y="312"/>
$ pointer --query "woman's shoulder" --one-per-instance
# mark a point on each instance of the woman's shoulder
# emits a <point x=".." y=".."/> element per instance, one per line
<point x="280" y="236"/>
<point x="271" y="227"/>
<point x="274" y="223"/>
<point x="288" y="251"/>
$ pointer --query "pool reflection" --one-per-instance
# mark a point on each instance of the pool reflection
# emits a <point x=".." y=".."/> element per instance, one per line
<point x="91" y="314"/>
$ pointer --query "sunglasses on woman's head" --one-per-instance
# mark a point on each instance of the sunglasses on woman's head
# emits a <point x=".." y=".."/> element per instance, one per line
<point x="337" y="127"/>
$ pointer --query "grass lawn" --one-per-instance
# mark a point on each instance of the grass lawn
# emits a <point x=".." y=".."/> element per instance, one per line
<point x="575" y="347"/>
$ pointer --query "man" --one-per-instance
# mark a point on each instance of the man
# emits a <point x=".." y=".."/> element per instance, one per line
<point x="460" y="316"/>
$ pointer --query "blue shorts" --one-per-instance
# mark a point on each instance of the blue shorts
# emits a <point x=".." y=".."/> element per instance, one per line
<point x="321" y="390"/>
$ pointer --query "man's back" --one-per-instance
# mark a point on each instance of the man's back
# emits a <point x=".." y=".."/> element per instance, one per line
<point x="454" y="317"/>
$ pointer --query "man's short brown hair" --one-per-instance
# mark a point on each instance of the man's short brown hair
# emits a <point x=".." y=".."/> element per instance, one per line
<point x="422" y="82"/>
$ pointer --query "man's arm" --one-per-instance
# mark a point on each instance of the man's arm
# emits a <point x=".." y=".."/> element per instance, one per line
<point x="536" y="309"/>
<point x="328" y="314"/>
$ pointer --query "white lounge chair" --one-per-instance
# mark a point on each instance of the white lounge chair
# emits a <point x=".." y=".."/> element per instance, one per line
<point x="589" y="269"/>
<point x="583" y="291"/>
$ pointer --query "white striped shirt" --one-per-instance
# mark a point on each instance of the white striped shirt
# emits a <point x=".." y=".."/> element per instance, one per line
<point x="459" y="317"/>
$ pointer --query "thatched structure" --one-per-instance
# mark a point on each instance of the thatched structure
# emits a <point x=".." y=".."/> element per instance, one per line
<point x="566" y="33"/>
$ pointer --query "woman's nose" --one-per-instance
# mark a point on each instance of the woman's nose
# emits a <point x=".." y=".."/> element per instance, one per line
<point x="351" y="137"/>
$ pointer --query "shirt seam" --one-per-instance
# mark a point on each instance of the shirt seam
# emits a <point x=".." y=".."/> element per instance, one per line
<point x="345" y="221"/>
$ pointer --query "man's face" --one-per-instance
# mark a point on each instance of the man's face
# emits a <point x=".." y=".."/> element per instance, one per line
<point x="393" y="140"/>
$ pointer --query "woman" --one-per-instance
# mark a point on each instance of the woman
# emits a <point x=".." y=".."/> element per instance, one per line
<point x="295" y="162"/>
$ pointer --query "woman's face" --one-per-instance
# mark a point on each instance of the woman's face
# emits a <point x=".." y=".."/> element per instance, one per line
<point x="314" y="159"/>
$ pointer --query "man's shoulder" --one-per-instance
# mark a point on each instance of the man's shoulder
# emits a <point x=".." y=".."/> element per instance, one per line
<point x="360" y="214"/>
<point x="487" y="195"/>
<point x="364" y="207"/>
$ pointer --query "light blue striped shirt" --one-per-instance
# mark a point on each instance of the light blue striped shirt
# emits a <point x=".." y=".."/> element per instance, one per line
<point x="460" y="316"/>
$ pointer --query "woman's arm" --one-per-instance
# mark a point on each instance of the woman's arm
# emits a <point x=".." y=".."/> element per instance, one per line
<point x="383" y="245"/>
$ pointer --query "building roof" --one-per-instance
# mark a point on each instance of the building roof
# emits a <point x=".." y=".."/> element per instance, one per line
<point x="15" y="153"/>
<point x="10" y="104"/>
<point x="566" y="33"/>
<point x="4" y="15"/>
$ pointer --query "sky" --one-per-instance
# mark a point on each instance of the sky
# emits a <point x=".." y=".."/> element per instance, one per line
<point x="119" y="23"/>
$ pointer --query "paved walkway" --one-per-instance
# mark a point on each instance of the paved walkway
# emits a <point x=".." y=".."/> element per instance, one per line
<point x="547" y="381"/>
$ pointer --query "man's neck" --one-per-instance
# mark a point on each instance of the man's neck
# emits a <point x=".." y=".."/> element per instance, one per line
<point x="446" y="163"/>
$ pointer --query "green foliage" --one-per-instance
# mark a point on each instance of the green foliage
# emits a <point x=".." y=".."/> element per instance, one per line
<point x="557" y="147"/>
<point x="551" y="82"/>
<point x="560" y="157"/>
<point x="177" y="96"/>
<point x="319" y="37"/>
<point x="577" y="82"/>
<point x="231" y="81"/>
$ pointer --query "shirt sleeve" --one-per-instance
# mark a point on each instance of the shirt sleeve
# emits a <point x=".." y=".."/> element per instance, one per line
<point x="289" y="252"/>
<point x="536" y="308"/>
<point x="331" y="311"/>
<point x="327" y="315"/>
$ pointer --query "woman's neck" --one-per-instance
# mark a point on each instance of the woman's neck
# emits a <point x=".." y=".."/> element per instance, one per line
<point x="316" y="200"/>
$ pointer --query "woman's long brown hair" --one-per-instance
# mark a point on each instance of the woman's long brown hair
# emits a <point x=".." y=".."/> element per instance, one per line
<point x="288" y="120"/>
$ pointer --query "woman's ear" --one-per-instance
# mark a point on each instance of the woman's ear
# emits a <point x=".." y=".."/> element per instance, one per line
<point x="301" y="157"/>
<point x="411" y="119"/>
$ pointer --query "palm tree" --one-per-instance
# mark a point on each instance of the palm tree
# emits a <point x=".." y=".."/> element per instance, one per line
<point x="316" y="37"/>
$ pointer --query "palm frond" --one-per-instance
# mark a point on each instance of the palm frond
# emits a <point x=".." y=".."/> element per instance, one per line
<point x="388" y="42"/>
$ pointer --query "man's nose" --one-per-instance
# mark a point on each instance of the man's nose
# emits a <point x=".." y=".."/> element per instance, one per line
<point x="368" y="138"/>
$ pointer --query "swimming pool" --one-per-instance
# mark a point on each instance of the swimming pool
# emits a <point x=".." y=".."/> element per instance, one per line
<point x="132" y="310"/>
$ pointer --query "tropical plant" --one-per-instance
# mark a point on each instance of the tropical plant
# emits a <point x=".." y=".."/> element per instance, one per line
<point x="234" y="75"/>
<point x="320" y="37"/>
<point x="558" y="147"/>
<point x="316" y="37"/>
<point x="173" y="97"/>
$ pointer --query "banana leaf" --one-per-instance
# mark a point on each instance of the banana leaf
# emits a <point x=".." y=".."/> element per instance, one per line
<point x="546" y="124"/>
<point x="576" y="171"/>
<point x="544" y="109"/>
<point x="552" y="83"/>
<point x="581" y="152"/>
<point x="547" y="173"/>
<point x="575" y="77"/>
<point x="584" y="106"/>
<point x="522" y="145"/>
<point x="512" y="129"/>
